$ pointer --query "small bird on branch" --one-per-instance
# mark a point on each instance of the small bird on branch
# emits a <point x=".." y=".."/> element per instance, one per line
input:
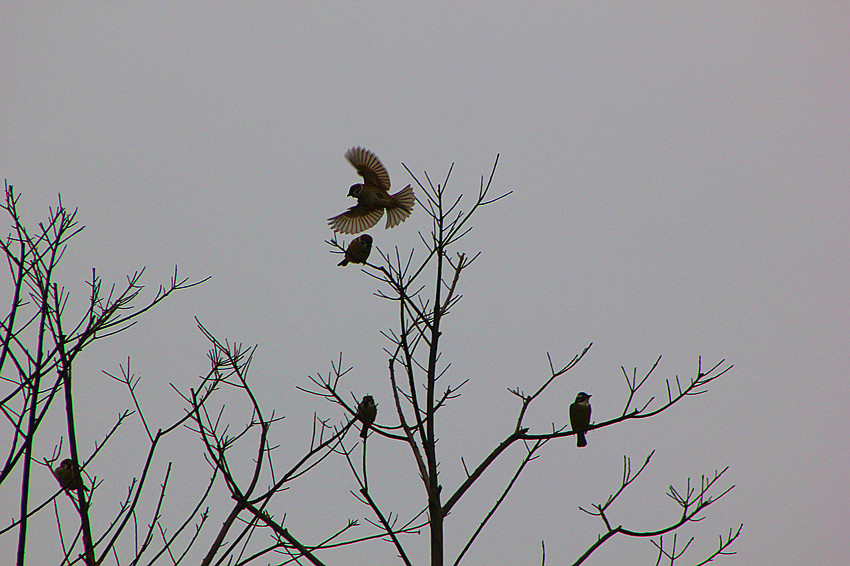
<point x="358" y="250"/>
<point x="580" y="417"/>
<point x="68" y="476"/>
<point x="367" y="410"/>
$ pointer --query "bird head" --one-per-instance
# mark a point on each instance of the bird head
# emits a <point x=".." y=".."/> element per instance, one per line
<point x="67" y="464"/>
<point x="582" y="397"/>
<point x="366" y="239"/>
<point x="355" y="189"/>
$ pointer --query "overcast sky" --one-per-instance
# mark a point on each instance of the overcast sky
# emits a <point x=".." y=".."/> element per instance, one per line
<point x="680" y="177"/>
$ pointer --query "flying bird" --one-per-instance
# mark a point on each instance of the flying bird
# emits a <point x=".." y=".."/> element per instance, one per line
<point x="373" y="196"/>
<point x="367" y="410"/>
<point x="580" y="417"/>
<point x="68" y="476"/>
<point x="358" y="250"/>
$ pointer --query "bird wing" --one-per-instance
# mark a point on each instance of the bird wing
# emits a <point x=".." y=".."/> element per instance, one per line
<point x="579" y="416"/>
<point x="355" y="220"/>
<point x="576" y="417"/>
<point x="369" y="167"/>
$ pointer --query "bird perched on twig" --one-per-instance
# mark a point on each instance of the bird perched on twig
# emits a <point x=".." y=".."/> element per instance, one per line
<point x="68" y="476"/>
<point x="580" y="417"/>
<point x="358" y="250"/>
<point x="367" y="410"/>
<point x="373" y="196"/>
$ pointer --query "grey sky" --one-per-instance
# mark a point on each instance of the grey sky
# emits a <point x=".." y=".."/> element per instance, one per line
<point x="680" y="178"/>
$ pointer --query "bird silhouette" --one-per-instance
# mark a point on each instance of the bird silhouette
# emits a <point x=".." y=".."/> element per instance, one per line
<point x="367" y="410"/>
<point x="373" y="196"/>
<point x="358" y="250"/>
<point x="580" y="417"/>
<point x="68" y="476"/>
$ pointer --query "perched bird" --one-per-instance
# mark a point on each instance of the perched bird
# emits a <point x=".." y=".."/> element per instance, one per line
<point x="358" y="250"/>
<point x="373" y="196"/>
<point x="367" y="410"/>
<point x="68" y="475"/>
<point x="580" y="417"/>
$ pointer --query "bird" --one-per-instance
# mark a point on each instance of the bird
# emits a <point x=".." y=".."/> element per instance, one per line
<point x="358" y="250"/>
<point x="68" y="476"/>
<point x="580" y="417"/>
<point x="373" y="196"/>
<point x="367" y="410"/>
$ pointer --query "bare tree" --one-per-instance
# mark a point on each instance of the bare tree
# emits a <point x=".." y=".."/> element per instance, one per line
<point x="40" y="351"/>
<point x="426" y="288"/>
<point x="230" y="420"/>
<point x="40" y="345"/>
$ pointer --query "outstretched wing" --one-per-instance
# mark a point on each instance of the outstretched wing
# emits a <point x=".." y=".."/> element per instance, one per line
<point x="355" y="220"/>
<point x="369" y="167"/>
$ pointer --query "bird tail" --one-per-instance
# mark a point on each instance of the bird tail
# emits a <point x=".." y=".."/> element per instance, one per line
<point x="343" y="263"/>
<point x="404" y="200"/>
<point x="581" y="440"/>
<point x="363" y="431"/>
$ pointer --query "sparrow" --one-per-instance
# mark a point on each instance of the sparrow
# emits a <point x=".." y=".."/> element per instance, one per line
<point x="358" y="250"/>
<point x="68" y="475"/>
<point x="580" y="417"/>
<point x="367" y="410"/>
<point x="373" y="196"/>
